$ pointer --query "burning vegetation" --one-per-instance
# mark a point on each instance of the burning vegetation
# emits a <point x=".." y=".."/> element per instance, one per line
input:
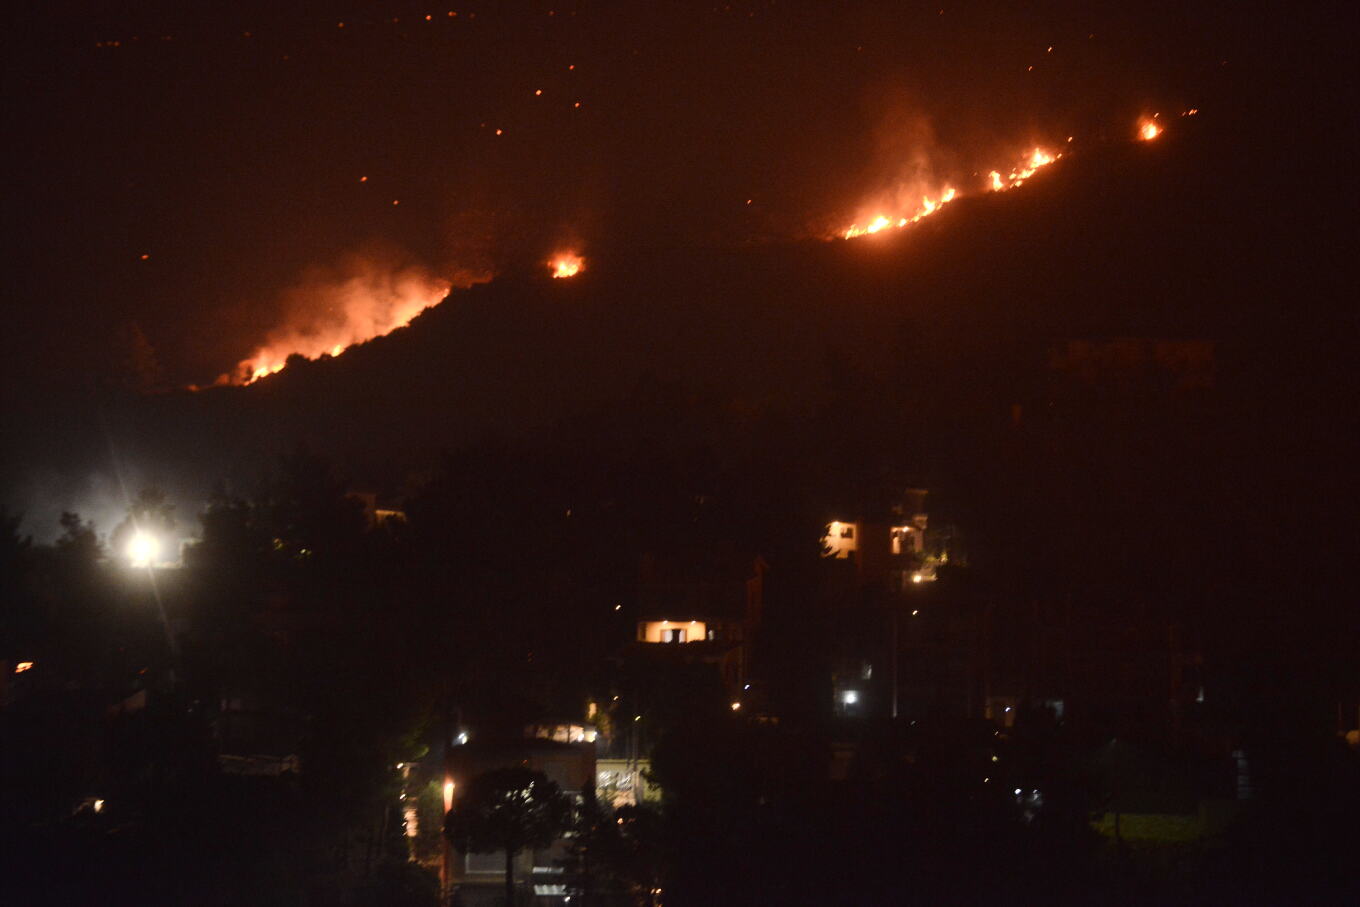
<point x="566" y="264"/>
<point x="996" y="182"/>
<point x="332" y="311"/>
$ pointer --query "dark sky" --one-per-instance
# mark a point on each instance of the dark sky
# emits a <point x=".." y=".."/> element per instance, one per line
<point x="226" y="142"/>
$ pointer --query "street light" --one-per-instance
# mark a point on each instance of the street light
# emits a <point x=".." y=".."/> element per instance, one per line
<point x="143" y="549"/>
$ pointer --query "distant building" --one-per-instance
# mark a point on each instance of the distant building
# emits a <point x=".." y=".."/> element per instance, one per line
<point x="623" y="782"/>
<point x="888" y="545"/>
<point x="704" y="611"/>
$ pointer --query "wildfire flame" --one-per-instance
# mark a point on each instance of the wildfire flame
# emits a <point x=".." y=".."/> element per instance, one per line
<point x="566" y="264"/>
<point x="995" y="182"/>
<point x="329" y="315"/>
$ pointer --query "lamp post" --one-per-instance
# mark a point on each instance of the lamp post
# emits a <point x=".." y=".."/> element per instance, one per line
<point x="143" y="550"/>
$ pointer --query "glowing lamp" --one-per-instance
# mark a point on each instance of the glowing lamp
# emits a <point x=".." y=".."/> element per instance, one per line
<point x="143" y="548"/>
<point x="448" y="795"/>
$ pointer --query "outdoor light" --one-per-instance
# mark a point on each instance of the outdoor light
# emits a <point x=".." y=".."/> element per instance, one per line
<point x="22" y="666"/>
<point x="850" y="697"/>
<point x="916" y="577"/>
<point x="99" y="806"/>
<point x="448" y="795"/>
<point x="143" y="548"/>
<point x="736" y="706"/>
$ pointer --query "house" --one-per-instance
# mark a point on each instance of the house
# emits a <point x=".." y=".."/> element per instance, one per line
<point x="887" y="545"/>
<point x="700" y="610"/>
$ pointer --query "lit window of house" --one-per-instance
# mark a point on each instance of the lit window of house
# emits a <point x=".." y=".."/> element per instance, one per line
<point x="672" y="631"/>
<point x="839" y="539"/>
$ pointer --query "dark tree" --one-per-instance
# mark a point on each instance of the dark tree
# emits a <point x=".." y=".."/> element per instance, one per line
<point x="508" y="809"/>
<point x="78" y="541"/>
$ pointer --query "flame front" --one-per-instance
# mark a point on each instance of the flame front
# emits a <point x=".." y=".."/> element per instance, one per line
<point x="929" y="205"/>
<point x="566" y="264"/>
<point x="330" y="316"/>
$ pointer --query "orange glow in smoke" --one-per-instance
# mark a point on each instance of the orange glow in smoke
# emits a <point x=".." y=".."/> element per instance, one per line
<point x="566" y="264"/>
<point x="331" y="315"/>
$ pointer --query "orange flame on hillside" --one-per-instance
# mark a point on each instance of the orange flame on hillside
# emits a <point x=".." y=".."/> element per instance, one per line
<point x="996" y="182"/>
<point x="566" y="264"/>
<point x="333" y="312"/>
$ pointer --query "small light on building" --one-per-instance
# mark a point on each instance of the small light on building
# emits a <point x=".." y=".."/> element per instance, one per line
<point x="637" y="717"/>
<point x="916" y="577"/>
<point x="618" y="607"/>
<point x="22" y="666"/>
<point x="461" y="739"/>
<point x="1017" y="791"/>
<point x="736" y="706"/>
<point x="746" y="687"/>
<point x="448" y="795"/>
<point x="996" y="758"/>
<point x="850" y="697"/>
<point x="914" y="613"/>
<point x="99" y="806"/>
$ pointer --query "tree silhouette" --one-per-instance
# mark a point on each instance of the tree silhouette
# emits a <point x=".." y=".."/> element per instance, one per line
<point x="508" y="809"/>
<point x="78" y="540"/>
